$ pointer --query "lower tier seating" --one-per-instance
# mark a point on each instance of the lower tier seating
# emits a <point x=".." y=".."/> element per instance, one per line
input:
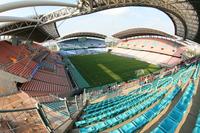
<point x="170" y="123"/>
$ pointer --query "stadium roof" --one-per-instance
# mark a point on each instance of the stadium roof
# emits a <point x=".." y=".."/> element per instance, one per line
<point x="185" y="14"/>
<point x="140" y="31"/>
<point x="84" y="34"/>
<point x="23" y="30"/>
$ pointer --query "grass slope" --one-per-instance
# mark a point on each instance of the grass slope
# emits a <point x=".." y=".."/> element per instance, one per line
<point x="106" y="68"/>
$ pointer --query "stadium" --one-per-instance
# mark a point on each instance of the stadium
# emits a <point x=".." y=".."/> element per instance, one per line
<point x="123" y="80"/>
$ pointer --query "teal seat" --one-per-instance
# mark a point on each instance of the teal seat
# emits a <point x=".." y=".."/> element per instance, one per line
<point x="168" y="125"/>
<point x="122" y="117"/>
<point x="88" y="130"/>
<point x="101" y="126"/>
<point x="181" y="107"/>
<point x="196" y="130"/>
<point x="149" y="114"/>
<point x="112" y="121"/>
<point x="128" y="128"/>
<point x="115" y="131"/>
<point x="157" y="130"/>
<point x="140" y="121"/>
<point x="80" y="123"/>
<point x="176" y="115"/>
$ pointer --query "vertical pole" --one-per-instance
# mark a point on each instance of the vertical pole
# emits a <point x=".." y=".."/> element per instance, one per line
<point x="84" y="97"/>
<point x="67" y="107"/>
<point x="76" y="102"/>
<point x="43" y="118"/>
<point x="81" y="99"/>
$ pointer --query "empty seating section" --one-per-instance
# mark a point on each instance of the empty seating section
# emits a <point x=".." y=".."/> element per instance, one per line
<point x="50" y="78"/>
<point x="40" y="86"/>
<point x="148" y="115"/>
<point x="47" y="81"/>
<point x="79" y="44"/>
<point x="147" y="102"/>
<point x="23" y="68"/>
<point x="83" y="51"/>
<point x="30" y="109"/>
<point x="131" y="108"/>
<point x="171" y="122"/>
<point x="10" y="53"/>
<point x="41" y="56"/>
<point x="47" y="66"/>
<point x="153" y="45"/>
<point x="118" y="109"/>
<point x="166" y="52"/>
<point x="17" y="60"/>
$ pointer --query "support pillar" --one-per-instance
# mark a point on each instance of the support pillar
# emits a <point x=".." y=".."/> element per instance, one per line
<point x="76" y="102"/>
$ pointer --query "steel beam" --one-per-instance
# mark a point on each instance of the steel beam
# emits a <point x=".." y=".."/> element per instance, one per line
<point x="28" y="3"/>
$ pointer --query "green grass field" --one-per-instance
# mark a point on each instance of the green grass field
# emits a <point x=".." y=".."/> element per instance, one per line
<point x="106" y="68"/>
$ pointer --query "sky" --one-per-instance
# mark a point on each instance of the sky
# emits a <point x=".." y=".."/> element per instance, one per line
<point x="106" y="22"/>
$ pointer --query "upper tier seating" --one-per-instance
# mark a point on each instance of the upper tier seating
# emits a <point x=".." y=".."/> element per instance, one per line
<point x="10" y="53"/>
<point x="79" y="44"/>
<point x="24" y="68"/>
<point x="166" y="52"/>
<point x="49" y="81"/>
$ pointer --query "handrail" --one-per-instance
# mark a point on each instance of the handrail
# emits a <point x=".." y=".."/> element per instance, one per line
<point x="17" y="110"/>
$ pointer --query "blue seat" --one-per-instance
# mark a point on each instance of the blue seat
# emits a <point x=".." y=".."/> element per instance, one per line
<point x="181" y="107"/>
<point x="116" y="131"/>
<point x="168" y="125"/>
<point x="101" y="126"/>
<point x="140" y="121"/>
<point x="176" y="115"/>
<point x="196" y="130"/>
<point x="157" y="130"/>
<point x="149" y="114"/>
<point x="128" y="128"/>
<point x="156" y="108"/>
<point x="112" y="121"/>
<point x="88" y="130"/>
<point x="122" y="117"/>
<point x="80" y="123"/>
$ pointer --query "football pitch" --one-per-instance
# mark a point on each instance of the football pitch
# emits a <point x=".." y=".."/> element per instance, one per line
<point x="101" y="69"/>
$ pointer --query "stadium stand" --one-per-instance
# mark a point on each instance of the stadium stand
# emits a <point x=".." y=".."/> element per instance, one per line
<point x="82" y="46"/>
<point x="42" y="91"/>
<point x="120" y="113"/>
<point x="81" y="43"/>
<point x="147" y="49"/>
<point x="145" y="105"/>
<point x="41" y="70"/>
